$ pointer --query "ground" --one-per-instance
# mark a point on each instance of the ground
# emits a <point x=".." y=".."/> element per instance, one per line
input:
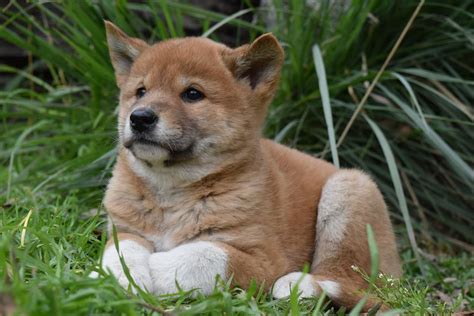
<point x="51" y="243"/>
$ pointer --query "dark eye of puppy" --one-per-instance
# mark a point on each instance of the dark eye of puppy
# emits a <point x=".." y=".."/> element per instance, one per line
<point x="192" y="95"/>
<point x="140" y="92"/>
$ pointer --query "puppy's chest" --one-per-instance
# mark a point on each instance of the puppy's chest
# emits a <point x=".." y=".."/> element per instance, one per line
<point x="181" y="223"/>
<point x="170" y="221"/>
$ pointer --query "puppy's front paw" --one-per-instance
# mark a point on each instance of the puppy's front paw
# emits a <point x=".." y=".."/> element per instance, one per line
<point x="191" y="266"/>
<point x="283" y="286"/>
<point x="136" y="259"/>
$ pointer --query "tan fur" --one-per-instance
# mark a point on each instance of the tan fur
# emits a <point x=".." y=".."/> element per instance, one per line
<point x="256" y="199"/>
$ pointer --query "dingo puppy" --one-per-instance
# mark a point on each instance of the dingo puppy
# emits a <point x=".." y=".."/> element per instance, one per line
<point x="197" y="193"/>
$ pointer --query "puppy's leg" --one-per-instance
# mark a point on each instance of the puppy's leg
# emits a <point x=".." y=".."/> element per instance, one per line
<point x="135" y="252"/>
<point x="349" y="201"/>
<point x="195" y="266"/>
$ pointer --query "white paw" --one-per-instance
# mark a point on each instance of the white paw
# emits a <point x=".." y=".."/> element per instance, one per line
<point x="331" y="288"/>
<point x="136" y="259"/>
<point x="139" y="273"/>
<point x="283" y="286"/>
<point x="192" y="266"/>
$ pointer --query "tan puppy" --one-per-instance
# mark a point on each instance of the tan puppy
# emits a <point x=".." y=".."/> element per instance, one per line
<point x="197" y="193"/>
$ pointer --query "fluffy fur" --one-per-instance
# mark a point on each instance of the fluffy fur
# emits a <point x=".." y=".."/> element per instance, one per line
<point x="194" y="265"/>
<point x="136" y="258"/>
<point x="284" y="285"/>
<point x="208" y="196"/>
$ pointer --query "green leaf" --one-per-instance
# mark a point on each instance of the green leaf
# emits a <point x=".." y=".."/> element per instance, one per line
<point x="397" y="183"/>
<point x="323" y="88"/>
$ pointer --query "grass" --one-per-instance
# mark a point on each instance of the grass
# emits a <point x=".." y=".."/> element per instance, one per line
<point x="57" y="139"/>
<point x="46" y="272"/>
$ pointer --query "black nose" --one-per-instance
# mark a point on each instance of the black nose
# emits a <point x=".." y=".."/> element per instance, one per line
<point x="142" y="120"/>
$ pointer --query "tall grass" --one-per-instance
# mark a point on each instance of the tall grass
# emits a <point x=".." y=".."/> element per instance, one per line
<point x="422" y="102"/>
<point x="57" y="132"/>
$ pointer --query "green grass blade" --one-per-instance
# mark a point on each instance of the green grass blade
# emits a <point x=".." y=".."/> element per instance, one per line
<point x="374" y="254"/>
<point x="358" y="308"/>
<point x="412" y="94"/>
<point x="15" y="149"/>
<point x="226" y="21"/>
<point x="319" y="304"/>
<point x="458" y="164"/>
<point x="323" y="88"/>
<point x="374" y="269"/>
<point x="397" y="183"/>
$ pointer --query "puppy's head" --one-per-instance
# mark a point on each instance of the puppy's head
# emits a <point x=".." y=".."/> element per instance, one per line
<point x="191" y="100"/>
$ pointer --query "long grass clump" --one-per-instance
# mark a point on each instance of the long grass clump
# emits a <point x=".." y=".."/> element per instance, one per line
<point x="415" y="136"/>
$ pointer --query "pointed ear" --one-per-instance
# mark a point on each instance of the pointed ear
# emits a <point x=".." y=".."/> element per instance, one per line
<point x="123" y="50"/>
<point x="259" y="62"/>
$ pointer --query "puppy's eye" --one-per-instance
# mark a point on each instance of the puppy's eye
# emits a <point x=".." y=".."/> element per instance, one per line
<point x="192" y="95"/>
<point x="140" y="92"/>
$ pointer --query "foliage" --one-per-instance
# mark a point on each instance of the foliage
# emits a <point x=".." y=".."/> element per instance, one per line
<point x="57" y="132"/>
<point x="44" y="264"/>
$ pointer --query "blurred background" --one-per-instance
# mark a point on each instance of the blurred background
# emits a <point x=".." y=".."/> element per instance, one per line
<point x="414" y="134"/>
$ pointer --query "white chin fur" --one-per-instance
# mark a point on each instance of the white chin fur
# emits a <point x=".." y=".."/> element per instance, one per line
<point x="149" y="153"/>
